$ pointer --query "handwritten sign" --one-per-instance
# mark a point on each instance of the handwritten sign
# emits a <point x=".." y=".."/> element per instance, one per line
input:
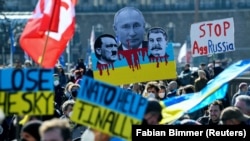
<point x="212" y="37"/>
<point x="27" y="91"/>
<point x="109" y="109"/>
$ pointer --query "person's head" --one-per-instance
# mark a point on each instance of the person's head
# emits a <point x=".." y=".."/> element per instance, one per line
<point x="203" y="66"/>
<point x="67" y="107"/>
<point x="30" y="131"/>
<point x="173" y="85"/>
<point x="129" y="27"/>
<point x="187" y="67"/>
<point x="243" y="103"/>
<point x="162" y="92"/>
<point x="27" y="64"/>
<point x="233" y="116"/>
<point x="74" y="88"/>
<point x="77" y="74"/>
<point x="243" y="87"/>
<point x="157" y="41"/>
<point x="18" y="64"/>
<point x="187" y="89"/>
<point x="106" y="48"/>
<point x="60" y="69"/>
<point x="214" y="110"/>
<point x="153" y="113"/>
<point x="56" y="80"/>
<point x="202" y="74"/>
<point x="55" y="130"/>
<point x="67" y="90"/>
<point x="152" y="89"/>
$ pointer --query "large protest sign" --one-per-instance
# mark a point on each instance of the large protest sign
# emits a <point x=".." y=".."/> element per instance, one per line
<point x="212" y="37"/>
<point x="109" y="109"/>
<point x="27" y="91"/>
<point x="135" y="58"/>
<point x="136" y="66"/>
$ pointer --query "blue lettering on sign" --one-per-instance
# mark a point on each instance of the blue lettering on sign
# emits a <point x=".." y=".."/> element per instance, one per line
<point x="26" y="79"/>
<point x="112" y="97"/>
<point x="219" y="47"/>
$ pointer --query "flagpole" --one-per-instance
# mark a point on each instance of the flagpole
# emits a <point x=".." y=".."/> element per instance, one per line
<point x="44" y="48"/>
<point x="11" y="44"/>
<point x="47" y="37"/>
<point x="11" y="56"/>
<point x="68" y="55"/>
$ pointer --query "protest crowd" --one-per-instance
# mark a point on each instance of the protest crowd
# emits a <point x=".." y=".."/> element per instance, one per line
<point x="224" y="111"/>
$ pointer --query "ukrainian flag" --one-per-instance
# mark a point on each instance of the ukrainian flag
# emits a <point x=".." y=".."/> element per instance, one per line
<point x="176" y="107"/>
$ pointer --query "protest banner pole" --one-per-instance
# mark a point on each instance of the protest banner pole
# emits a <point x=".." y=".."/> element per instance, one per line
<point x="47" y="36"/>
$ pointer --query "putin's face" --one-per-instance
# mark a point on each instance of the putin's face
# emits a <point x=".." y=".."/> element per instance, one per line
<point x="129" y="27"/>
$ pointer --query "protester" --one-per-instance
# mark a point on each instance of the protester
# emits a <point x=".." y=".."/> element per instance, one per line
<point x="188" y="89"/>
<point x="62" y="76"/>
<point x="67" y="92"/>
<point x="153" y="113"/>
<point x="243" y="103"/>
<point x="30" y="131"/>
<point x="201" y="81"/>
<point x="186" y="76"/>
<point x="214" y="112"/>
<point x="233" y="116"/>
<point x="67" y="108"/>
<point x="8" y="128"/>
<point x="27" y="64"/>
<point x="55" y="130"/>
<point x="172" y="89"/>
<point x="74" y="88"/>
<point x="162" y="92"/>
<point x="242" y="90"/>
<point x="151" y="89"/>
<point x="78" y="74"/>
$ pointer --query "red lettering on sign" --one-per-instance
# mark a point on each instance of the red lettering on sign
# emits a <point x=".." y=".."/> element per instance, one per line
<point x="218" y="29"/>
<point x="202" y="50"/>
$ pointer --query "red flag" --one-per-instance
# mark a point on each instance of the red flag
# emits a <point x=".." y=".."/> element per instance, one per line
<point x="48" y="31"/>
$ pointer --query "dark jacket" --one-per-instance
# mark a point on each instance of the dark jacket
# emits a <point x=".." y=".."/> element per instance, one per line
<point x="205" y="120"/>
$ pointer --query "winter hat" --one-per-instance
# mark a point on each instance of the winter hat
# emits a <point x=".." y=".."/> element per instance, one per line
<point x="32" y="127"/>
<point x="242" y="84"/>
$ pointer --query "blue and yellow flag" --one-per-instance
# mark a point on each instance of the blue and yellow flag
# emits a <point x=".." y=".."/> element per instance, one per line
<point x="176" y="107"/>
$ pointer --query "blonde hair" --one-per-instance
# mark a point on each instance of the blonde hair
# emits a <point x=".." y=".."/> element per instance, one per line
<point x="56" y="123"/>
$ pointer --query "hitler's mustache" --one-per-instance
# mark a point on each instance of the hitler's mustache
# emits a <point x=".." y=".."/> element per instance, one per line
<point x="114" y="52"/>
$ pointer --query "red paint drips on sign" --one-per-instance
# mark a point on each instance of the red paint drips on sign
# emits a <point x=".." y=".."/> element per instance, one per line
<point x="102" y="67"/>
<point x="158" y="58"/>
<point x="132" y="57"/>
